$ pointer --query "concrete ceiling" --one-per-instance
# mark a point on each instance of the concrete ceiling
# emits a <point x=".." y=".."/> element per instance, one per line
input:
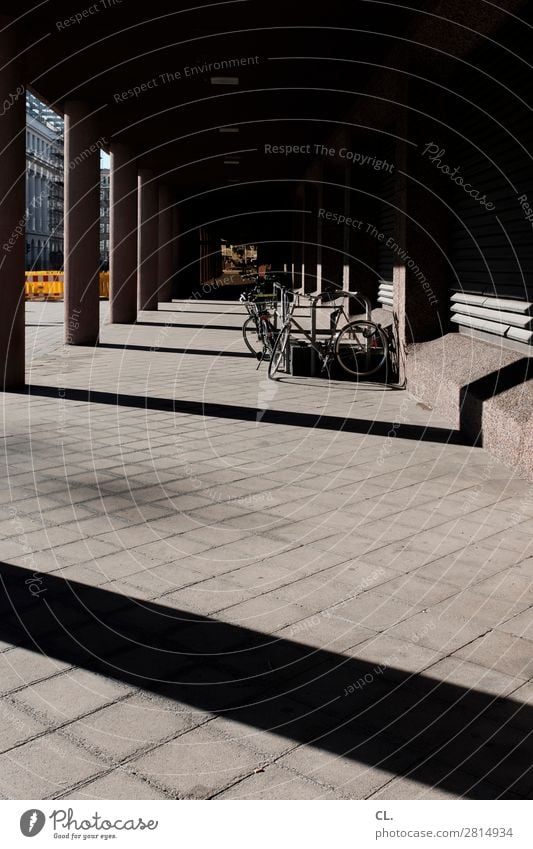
<point x="307" y="72"/>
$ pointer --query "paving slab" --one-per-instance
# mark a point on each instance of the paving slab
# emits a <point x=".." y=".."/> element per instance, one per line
<point x="363" y="765"/>
<point x="250" y="568"/>
<point x="46" y="767"/>
<point x="499" y="650"/>
<point x="198" y="764"/>
<point x="68" y="696"/>
<point x="276" y="783"/>
<point x="131" y="725"/>
<point x="117" y="784"/>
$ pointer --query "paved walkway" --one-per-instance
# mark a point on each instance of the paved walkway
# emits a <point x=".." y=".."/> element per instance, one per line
<point x="219" y="587"/>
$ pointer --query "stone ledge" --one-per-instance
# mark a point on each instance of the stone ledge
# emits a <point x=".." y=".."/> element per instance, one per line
<point x="484" y="390"/>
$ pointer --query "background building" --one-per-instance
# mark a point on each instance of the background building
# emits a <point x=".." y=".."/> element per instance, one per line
<point x="44" y="186"/>
<point x="44" y="190"/>
<point x="104" y="219"/>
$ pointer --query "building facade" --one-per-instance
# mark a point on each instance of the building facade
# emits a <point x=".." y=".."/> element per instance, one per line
<point x="104" y="219"/>
<point x="44" y="191"/>
<point x="44" y="186"/>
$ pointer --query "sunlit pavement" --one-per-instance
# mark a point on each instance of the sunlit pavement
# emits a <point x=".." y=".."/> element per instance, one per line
<point x="217" y="586"/>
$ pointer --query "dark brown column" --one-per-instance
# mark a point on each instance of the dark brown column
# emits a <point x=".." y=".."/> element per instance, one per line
<point x="360" y="249"/>
<point x="176" y="244"/>
<point x="164" y="259"/>
<point x="82" y="225"/>
<point x="319" y="232"/>
<point x="12" y="211"/>
<point x="200" y="269"/>
<point x="299" y="237"/>
<point x="311" y="237"/>
<point x="147" y="244"/>
<point x="419" y="246"/>
<point x="332" y="232"/>
<point x="123" y="236"/>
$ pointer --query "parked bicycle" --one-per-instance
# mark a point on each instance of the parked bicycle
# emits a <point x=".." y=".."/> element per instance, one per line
<point x="359" y="346"/>
<point x="259" y="330"/>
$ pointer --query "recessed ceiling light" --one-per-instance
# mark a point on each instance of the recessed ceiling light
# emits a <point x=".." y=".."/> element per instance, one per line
<point x="224" y="81"/>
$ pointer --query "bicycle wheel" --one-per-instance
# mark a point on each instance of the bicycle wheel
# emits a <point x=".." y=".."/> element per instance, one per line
<point x="361" y="348"/>
<point x="279" y="351"/>
<point x="251" y="336"/>
<point x="269" y="334"/>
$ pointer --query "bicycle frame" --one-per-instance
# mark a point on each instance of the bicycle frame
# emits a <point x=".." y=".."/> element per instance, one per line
<point x="288" y="320"/>
<point x="258" y="305"/>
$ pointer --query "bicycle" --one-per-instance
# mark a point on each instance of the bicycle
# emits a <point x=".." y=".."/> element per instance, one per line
<point x="259" y="332"/>
<point x="360" y="347"/>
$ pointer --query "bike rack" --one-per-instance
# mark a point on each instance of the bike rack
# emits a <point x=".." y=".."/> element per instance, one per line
<point x="286" y="301"/>
<point x="286" y="305"/>
<point x="357" y="296"/>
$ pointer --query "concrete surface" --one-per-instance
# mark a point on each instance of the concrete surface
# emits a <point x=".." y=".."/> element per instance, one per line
<point x="484" y="389"/>
<point x="219" y="587"/>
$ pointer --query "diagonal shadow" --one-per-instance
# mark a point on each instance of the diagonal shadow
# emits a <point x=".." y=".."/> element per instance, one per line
<point x="198" y="326"/>
<point x="463" y="740"/>
<point x="473" y="395"/>
<point x="239" y="413"/>
<point x="159" y="350"/>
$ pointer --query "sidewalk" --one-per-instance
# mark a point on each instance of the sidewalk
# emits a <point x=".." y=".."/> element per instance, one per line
<point x="216" y="586"/>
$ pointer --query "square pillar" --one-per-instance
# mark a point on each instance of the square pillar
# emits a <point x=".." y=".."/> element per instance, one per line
<point x="147" y="245"/>
<point x="311" y="238"/>
<point x="360" y="248"/>
<point x="123" y="236"/>
<point x="332" y="233"/>
<point x="82" y="225"/>
<point x="12" y="211"/>
<point x="165" y="266"/>
<point x="176" y="230"/>
<point x="319" y="233"/>
<point x="420" y="247"/>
